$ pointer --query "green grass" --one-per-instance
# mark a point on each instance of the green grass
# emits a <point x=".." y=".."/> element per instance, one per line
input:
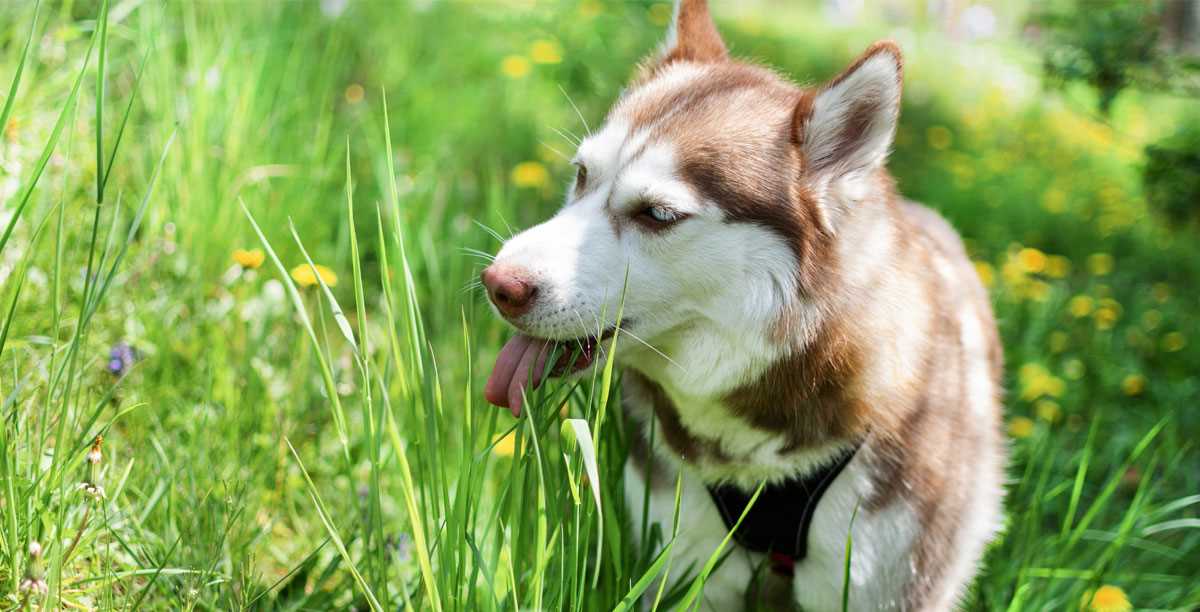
<point x="281" y="446"/>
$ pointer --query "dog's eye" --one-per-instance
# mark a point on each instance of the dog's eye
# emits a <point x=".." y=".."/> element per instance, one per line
<point x="657" y="216"/>
<point x="660" y="214"/>
<point x="580" y="177"/>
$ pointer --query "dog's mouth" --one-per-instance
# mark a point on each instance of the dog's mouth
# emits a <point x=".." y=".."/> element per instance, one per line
<point x="523" y="359"/>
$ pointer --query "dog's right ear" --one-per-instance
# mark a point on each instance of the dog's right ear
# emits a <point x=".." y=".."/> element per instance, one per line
<point x="692" y="36"/>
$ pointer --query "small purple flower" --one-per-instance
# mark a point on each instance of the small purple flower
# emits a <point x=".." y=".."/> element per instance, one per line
<point x="120" y="359"/>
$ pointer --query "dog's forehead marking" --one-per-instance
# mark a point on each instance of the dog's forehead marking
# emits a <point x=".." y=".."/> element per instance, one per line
<point x="626" y="133"/>
<point x="689" y="115"/>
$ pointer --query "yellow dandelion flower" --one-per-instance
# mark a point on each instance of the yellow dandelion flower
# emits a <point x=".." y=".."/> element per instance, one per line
<point x="1133" y="384"/>
<point x="1106" y="317"/>
<point x="1080" y="306"/>
<point x="249" y="259"/>
<point x="530" y="174"/>
<point x="1012" y="272"/>
<point x="12" y="128"/>
<point x="1173" y="342"/>
<point x="1036" y="381"/>
<point x="1107" y="598"/>
<point x="1057" y="266"/>
<point x="1048" y="411"/>
<point x="939" y="137"/>
<point x="505" y="446"/>
<point x="1020" y="427"/>
<point x="304" y="276"/>
<point x="987" y="274"/>
<point x="545" y="52"/>
<point x="515" y="67"/>
<point x="1100" y="264"/>
<point x="1059" y="341"/>
<point x="354" y="93"/>
<point x="660" y="14"/>
<point x="1032" y="260"/>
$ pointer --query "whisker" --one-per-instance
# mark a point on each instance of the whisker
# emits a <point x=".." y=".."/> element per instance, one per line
<point x="634" y="336"/>
<point x="571" y="138"/>
<point x="579" y="341"/>
<point x="477" y="253"/>
<point x="556" y="151"/>
<point x="511" y="233"/>
<point x="489" y="230"/>
<point x="577" y="113"/>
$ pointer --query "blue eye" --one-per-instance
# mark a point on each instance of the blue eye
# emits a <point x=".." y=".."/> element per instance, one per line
<point x="660" y="214"/>
<point x="657" y="216"/>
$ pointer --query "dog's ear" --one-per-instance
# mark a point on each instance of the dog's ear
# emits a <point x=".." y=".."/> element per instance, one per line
<point x="692" y="35"/>
<point x="847" y="125"/>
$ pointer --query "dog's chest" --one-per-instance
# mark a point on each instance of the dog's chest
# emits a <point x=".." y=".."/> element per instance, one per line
<point x="716" y="444"/>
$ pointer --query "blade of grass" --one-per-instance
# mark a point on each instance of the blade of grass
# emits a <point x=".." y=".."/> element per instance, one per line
<point x="48" y="149"/>
<point x="408" y="490"/>
<point x="333" y="533"/>
<point x="16" y="81"/>
<point x="662" y="585"/>
<point x="339" y="417"/>
<point x="693" y="594"/>
<point x="846" y="565"/>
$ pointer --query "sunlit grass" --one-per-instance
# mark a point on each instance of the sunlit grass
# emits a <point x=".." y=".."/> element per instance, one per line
<point x="276" y="210"/>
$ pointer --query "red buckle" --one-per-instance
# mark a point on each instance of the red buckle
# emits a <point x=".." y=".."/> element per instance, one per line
<point x="783" y="565"/>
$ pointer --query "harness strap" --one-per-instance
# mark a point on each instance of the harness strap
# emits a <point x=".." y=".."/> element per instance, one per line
<point x="777" y="525"/>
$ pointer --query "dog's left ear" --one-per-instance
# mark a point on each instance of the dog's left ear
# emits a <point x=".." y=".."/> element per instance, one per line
<point x="692" y="36"/>
<point x="848" y="124"/>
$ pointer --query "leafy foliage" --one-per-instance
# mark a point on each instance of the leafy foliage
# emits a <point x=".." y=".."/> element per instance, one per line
<point x="1110" y="45"/>
<point x="1172" y="173"/>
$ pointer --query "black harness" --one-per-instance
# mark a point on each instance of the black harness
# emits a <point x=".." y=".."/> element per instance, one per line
<point x="773" y="526"/>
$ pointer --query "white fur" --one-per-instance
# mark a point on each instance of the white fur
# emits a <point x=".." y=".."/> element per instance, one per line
<point x="879" y="559"/>
<point x="695" y="290"/>
<point x="981" y="394"/>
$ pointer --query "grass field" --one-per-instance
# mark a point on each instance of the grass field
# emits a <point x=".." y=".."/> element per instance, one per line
<point x="272" y="441"/>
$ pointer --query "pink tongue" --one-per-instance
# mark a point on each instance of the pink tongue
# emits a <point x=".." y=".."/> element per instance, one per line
<point x="520" y="356"/>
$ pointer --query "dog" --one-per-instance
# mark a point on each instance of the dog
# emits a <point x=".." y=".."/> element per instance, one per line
<point x="795" y="325"/>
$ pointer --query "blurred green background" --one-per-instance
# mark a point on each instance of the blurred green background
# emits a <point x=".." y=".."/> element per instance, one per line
<point x="1059" y="138"/>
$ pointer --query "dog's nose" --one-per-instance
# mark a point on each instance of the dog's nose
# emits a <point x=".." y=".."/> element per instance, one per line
<point x="510" y="289"/>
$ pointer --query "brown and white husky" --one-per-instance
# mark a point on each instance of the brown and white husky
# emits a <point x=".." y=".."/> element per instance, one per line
<point x="791" y="313"/>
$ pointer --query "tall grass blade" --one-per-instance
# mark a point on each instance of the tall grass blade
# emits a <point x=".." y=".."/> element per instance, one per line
<point x="333" y="532"/>
<point x="48" y="149"/>
<point x="339" y="417"/>
<point x="692" y="597"/>
<point x="16" y="80"/>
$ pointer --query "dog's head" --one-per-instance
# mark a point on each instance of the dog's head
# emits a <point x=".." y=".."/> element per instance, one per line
<point x="707" y="201"/>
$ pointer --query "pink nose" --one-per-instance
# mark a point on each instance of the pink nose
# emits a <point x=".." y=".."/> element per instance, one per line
<point x="510" y="288"/>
